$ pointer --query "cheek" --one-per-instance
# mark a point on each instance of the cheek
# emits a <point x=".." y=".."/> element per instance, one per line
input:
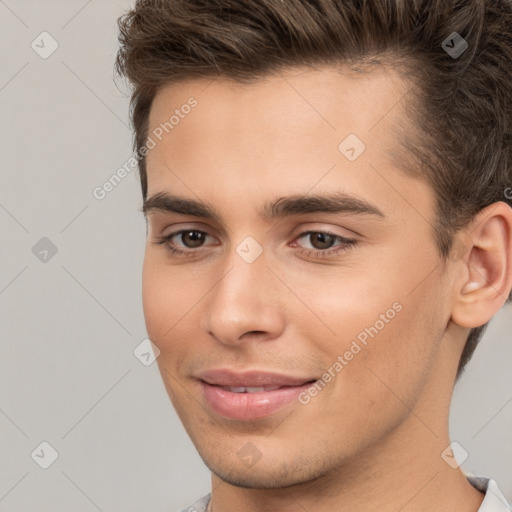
<point x="164" y="299"/>
<point x="349" y="307"/>
<point x="399" y="358"/>
<point x="165" y="304"/>
<point x="172" y="299"/>
<point x="383" y="365"/>
<point x="375" y="323"/>
<point x="155" y="301"/>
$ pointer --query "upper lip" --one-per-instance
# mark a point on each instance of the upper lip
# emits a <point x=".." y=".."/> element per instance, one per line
<point x="250" y="378"/>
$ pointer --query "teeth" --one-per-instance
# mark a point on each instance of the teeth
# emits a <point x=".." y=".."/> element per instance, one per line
<point x="237" y="390"/>
<point x="242" y="389"/>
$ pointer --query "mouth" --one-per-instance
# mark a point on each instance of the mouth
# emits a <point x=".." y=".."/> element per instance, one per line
<point x="251" y="379"/>
<point x="243" y="389"/>
<point x="250" y="395"/>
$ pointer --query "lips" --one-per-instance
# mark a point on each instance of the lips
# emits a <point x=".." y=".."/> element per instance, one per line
<point x="251" y="378"/>
<point x="250" y="395"/>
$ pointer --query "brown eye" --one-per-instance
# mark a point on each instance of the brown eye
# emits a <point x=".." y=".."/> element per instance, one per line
<point x="323" y="244"/>
<point x="321" y="240"/>
<point x="186" y="242"/>
<point x="192" y="238"/>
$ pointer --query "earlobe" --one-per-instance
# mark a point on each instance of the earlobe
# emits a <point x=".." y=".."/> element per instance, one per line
<point x="486" y="272"/>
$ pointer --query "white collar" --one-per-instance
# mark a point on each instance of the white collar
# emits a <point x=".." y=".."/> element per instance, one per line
<point x="494" y="501"/>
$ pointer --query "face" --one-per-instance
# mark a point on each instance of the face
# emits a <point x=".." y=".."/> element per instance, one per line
<point x="338" y="303"/>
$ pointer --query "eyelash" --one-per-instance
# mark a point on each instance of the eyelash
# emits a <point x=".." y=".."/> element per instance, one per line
<point x="348" y="244"/>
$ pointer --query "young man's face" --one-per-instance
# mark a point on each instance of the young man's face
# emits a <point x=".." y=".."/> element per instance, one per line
<point x="277" y="294"/>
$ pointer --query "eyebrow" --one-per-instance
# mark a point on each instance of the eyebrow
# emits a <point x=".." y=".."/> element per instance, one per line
<point x="279" y="208"/>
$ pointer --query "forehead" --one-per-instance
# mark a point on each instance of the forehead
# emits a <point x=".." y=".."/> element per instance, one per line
<point x="282" y="111"/>
<point x="294" y="94"/>
<point x="284" y="132"/>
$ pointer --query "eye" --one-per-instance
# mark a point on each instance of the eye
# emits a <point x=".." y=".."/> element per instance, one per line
<point x="190" y="238"/>
<point x="322" y="243"/>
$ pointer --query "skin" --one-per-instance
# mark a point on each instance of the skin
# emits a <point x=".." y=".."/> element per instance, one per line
<point x="372" y="438"/>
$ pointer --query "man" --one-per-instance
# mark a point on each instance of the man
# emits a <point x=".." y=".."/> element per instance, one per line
<point x="327" y="190"/>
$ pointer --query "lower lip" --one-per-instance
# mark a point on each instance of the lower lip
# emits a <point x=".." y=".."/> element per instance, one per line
<point x="250" y="406"/>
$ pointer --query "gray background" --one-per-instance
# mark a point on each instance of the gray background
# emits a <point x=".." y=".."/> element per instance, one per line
<point x="70" y="324"/>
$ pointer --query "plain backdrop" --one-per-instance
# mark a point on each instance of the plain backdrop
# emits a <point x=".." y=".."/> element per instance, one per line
<point x="70" y="292"/>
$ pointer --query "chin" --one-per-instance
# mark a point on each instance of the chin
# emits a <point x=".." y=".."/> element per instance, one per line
<point x="254" y="478"/>
<point x="263" y="474"/>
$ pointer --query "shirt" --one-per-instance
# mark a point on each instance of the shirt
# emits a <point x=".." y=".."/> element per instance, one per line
<point x="494" y="501"/>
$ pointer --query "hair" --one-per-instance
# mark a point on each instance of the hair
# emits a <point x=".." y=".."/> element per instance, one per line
<point x="460" y="106"/>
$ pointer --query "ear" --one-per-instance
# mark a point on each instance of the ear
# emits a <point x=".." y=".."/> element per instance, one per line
<point x="484" y="275"/>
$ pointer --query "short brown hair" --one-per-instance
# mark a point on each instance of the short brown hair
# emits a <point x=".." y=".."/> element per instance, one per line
<point x="461" y="104"/>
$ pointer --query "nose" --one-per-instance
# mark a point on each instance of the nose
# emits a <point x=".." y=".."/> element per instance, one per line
<point x="245" y="304"/>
